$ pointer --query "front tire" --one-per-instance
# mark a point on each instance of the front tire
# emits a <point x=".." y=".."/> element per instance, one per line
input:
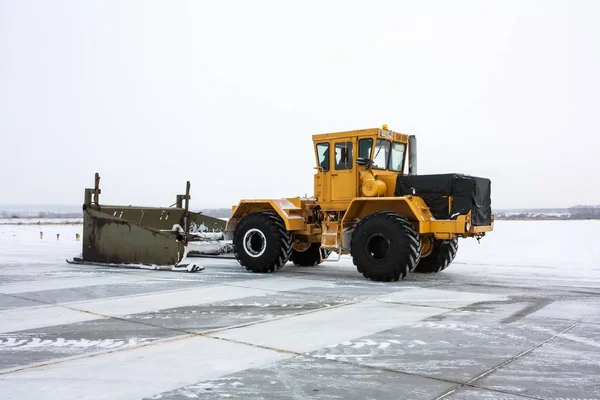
<point x="261" y="242"/>
<point x="440" y="258"/>
<point x="310" y="257"/>
<point x="385" y="247"/>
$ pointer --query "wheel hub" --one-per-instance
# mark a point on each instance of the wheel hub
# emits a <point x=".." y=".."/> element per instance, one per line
<point x="378" y="247"/>
<point x="301" y="246"/>
<point x="426" y="246"/>
<point x="255" y="243"/>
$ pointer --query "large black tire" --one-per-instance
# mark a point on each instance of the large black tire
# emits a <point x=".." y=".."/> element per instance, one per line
<point x="261" y="242"/>
<point x="310" y="257"/>
<point x="385" y="247"/>
<point x="440" y="258"/>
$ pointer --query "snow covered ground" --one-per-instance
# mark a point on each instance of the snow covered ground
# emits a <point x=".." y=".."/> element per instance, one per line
<point x="517" y="316"/>
<point x="40" y="221"/>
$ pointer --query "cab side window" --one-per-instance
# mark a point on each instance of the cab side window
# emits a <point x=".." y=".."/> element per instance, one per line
<point x="343" y="155"/>
<point x="323" y="155"/>
<point x="364" y="148"/>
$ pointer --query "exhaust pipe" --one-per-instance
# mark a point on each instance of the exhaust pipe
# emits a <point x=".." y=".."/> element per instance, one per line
<point x="412" y="155"/>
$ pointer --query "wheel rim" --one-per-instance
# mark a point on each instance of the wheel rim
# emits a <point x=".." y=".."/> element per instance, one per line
<point x="301" y="246"/>
<point x="255" y="243"/>
<point x="426" y="246"/>
<point x="378" y="247"/>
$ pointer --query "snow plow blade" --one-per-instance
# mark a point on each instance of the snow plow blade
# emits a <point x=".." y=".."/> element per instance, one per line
<point x="146" y="237"/>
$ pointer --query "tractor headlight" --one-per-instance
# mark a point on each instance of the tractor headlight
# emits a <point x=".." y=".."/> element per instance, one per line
<point x="467" y="227"/>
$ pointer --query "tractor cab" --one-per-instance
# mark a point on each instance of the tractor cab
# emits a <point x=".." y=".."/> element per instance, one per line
<point x="361" y="163"/>
<point x="385" y="156"/>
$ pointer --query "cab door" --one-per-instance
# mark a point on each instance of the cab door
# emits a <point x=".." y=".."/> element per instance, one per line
<point x="343" y="177"/>
<point x="323" y="175"/>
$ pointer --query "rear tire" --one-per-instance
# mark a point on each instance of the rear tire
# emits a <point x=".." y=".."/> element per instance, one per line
<point x="310" y="257"/>
<point x="385" y="247"/>
<point x="261" y="242"/>
<point x="440" y="258"/>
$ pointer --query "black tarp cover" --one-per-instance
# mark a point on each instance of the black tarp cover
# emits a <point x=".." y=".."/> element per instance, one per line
<point x="468" y="193"/>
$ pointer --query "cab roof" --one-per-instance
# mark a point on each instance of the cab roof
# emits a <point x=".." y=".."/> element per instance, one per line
<point x="370" y="132"/>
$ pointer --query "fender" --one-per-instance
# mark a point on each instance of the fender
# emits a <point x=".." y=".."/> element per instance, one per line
<point x="290" y="213"/>
<point x="411" y="207"/>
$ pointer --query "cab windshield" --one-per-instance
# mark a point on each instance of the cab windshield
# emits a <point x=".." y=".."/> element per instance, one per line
<point x="382" y="154"/>
<point x="397" y="159"/>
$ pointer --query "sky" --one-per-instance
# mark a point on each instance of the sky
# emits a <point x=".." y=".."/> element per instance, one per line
<point x="227" y="94"/>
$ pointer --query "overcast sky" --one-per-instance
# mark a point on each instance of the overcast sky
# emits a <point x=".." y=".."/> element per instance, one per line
<point x="227" y="94"/>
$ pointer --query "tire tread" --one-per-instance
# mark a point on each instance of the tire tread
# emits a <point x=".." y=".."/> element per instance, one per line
<point x="274" y="229"/>
<point x="442" y="255"/>
<point x="404" y="234"/>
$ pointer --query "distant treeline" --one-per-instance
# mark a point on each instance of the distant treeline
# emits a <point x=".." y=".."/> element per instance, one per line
<point x="40" y="214"/>
<point x="585" y="212"/>
<point x="533" y="216"/>
<point x="15" y="214"/>
<point x="572" y="213"/>
<point x="575" y="212"/>
<point x="216" y="212"/>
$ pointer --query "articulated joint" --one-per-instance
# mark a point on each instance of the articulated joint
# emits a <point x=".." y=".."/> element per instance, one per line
<point x="371" y="187"/>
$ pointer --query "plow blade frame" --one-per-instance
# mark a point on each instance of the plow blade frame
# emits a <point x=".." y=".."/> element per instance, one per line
<point x="108" y="239"/>
<point x="140" y="235"/>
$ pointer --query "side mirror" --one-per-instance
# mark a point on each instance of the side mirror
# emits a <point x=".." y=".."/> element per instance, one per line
<point x="364" y="162"/>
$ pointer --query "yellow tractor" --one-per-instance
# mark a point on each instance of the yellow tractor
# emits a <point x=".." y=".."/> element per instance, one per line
<point x="370" y="203"/>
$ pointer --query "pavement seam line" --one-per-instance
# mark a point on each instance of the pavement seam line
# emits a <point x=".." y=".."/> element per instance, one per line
<point x="65" y="305"/>
<point x="57" y="361"/>
<point x="536" y="288"/>
<point x="259" y="346"/>
<point x="212" y="331"/>
<point x="133" y="296"/>
<point x="75" y="278"/>
<point x="295" y="353"/>
<point x="392" y="370"/>
<point x="186" y="335"/>
<point x="417" y="305"/>
<point x="470" y="383"/>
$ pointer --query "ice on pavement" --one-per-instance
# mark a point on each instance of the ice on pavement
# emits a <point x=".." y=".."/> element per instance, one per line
<point x="65" y="330"/>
